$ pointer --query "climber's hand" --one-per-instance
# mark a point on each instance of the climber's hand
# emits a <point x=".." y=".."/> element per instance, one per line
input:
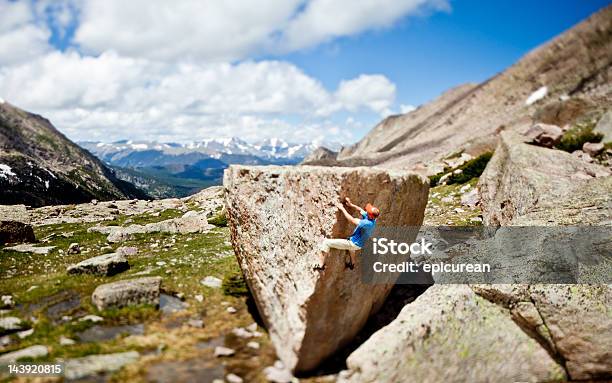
<point x="347" y="201"/>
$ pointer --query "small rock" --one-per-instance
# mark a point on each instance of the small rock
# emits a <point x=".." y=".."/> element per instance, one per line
<point x="127" y="250"/>
<point x="470" y="198"/>
<point x="458" y="210"/>
<point x="94" y="202"/>
<point x="457" y="171"/>
<point x="465" y="188"/>
<point x="6" y="302"/>
<point x="37" y="351"/>
<point x="107" y="264"/>
<point x="224" y="351"/>
<point x="74" y="248"/>
<point x="252" y="327"/>
<point x="197" y="323"/>
<point x="160" y="263"/>
<point x="476" y="219"/>
<point x="253" y="345"/>
<point x="242" y="333"/>
<point x="211" y="281"/>
<point x="447" y="199"/>
<point x="66" y="341"/>
<point x="25" y="334"/>
<point x="92" y="318"/>
<point x="33" y="287"/>
<point x="5" y="341"/>
<point x="10" y="324"/>
<point x="231" y="310"/>
<point x="127" y="292"/>
<point x="278" y="373"/>
<point x="199" y="298"/>
<point x="593" y="149"/>
<point x="233" y="378"/>
<point x="544" y="134"/>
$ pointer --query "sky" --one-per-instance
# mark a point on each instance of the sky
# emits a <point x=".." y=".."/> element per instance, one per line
<point x="300" y="70"/>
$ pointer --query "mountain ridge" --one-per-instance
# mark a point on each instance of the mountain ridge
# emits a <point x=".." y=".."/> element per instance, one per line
<point x="40" y="166"/>
<point x="560" y="82"/>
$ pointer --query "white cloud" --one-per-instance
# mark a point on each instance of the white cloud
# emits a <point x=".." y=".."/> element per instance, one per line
<point x="407" y="108"/>
<point x="117" y="97"/>
<point x="181" y="70"/>
<point x="375" y="92"/>
<point x="199" y="29"/>
<point x="231" y="30"/>
<point x="323" y="20"/>
<point x="21" y="38"/>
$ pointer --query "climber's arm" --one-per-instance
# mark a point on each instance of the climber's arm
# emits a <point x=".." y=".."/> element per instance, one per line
<point x="350" y="204"/>
<point x="353" y="220"/>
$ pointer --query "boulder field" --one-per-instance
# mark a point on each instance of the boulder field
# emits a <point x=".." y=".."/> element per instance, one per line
<point x="278" y="217"/>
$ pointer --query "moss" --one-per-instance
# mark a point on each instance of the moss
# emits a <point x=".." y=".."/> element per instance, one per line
<point x="578" y="135"/>
<point x="469" y="170"/>
<point x="235" y="285"/>
<point x="219" y="220"/>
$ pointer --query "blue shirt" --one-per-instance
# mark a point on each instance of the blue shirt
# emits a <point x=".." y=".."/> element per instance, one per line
<point x="363" y="231"/>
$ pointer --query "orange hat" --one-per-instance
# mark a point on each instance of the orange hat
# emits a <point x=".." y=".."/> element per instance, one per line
<point x="373" y="211"/>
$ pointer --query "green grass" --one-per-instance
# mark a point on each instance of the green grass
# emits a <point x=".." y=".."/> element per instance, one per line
<point x="189" y="257"/>
<point x="469" y="170"/>
<point x="219" y="220"/>
<point x="577" y="136"/>
<point x="235" y="285"/>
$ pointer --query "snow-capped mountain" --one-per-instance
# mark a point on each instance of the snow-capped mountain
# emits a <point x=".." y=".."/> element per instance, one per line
<point x="229" y="150"/>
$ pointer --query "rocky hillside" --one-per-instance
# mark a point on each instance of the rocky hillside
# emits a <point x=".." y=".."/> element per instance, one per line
<point x="565" y="81"/>
<point x="40" y="166"/>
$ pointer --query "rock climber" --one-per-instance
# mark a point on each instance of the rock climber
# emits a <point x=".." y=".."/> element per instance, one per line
<point x="363" y="230"/>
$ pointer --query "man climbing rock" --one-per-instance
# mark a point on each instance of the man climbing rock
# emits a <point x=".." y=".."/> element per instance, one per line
<point x="363" y="230"/>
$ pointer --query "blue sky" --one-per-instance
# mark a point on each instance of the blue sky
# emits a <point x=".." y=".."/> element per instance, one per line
<point x="424" y="56"/>
<point x="301" y="70"/>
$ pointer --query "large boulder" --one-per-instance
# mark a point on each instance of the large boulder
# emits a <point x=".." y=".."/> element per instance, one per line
<point x="15" y="232"/>
<point x="520" y="176"/>
<point x="278" y="217"/>
<point x="127" y="292"/>
<point x="450" y="334"/>
<point x="573" y="321"/>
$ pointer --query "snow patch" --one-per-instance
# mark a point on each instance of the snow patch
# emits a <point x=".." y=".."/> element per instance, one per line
<point x="46" y="184"/>
<point x="537" y="95"/>
<point x="6" y="171"/>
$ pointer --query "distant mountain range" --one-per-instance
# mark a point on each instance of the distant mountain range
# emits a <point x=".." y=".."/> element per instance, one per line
<point x="172" y="169"/>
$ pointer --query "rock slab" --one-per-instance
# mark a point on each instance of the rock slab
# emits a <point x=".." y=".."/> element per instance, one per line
<point x="278" y="217"/>
<point x="79" y="368"/>
<point x="520" y="176"/>
<point x="36" y="351"/>
<point x="574" y="322"/>
<point x="106" y="264"/>
<point x="450" y="334"/>
<point x="127" y="292"/>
